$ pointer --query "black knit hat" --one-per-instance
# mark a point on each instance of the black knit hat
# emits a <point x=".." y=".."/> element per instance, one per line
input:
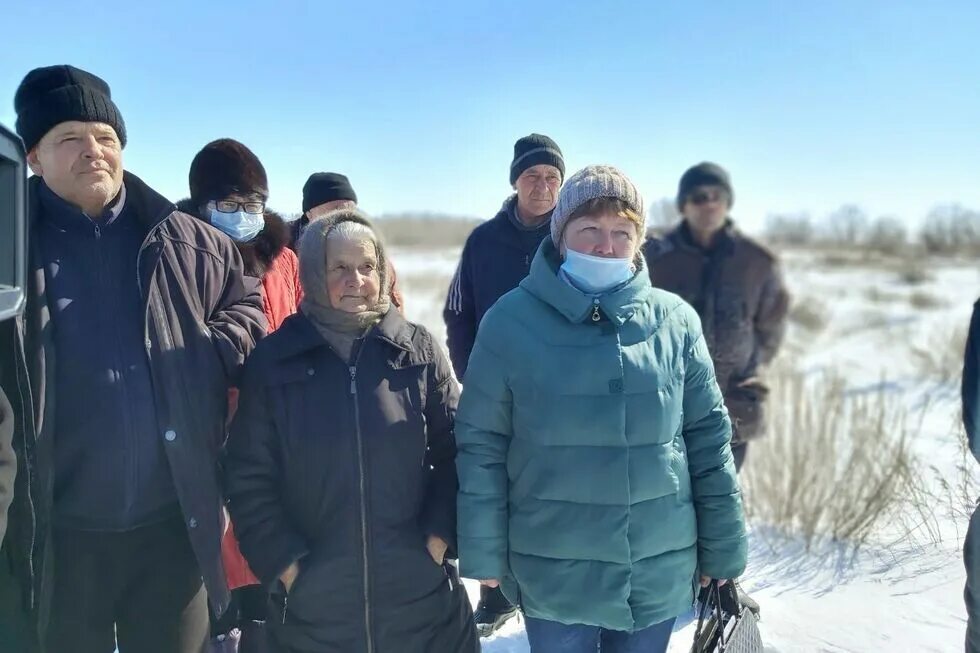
<point x="704" y="174"/>
<point x="323" y="187"/>
<point x="56" y="94"/>
<point x="535" y="150"/>
<point x="223" y="167"/>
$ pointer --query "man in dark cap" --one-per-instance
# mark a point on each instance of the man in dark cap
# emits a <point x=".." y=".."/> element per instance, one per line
<point x="735" y="285"/>
<point x="138" y="319"/>
<point x="323" y="192"/>
<point x="497" y="255"/>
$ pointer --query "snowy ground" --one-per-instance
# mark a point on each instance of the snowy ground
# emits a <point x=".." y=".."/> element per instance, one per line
<point x="903" y="595"/>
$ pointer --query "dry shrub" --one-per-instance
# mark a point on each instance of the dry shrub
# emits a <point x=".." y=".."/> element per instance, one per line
<point x="835" y="465"/>
<point x="912" y="271"/>
<point x="925" y="301"/>
<point x="941" y="359"/>
<point x="809" y="314"/>
<point x="876" y="295"/>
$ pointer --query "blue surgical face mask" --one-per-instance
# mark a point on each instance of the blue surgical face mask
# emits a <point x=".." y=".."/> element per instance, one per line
<point x="241" y="226"/>
<point x="595" y="274"/>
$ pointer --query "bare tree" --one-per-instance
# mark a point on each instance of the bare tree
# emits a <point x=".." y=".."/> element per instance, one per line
<point x="789" y="229"/>
<point x="847" y="225"/>
<point x="951" y="228"/>
<point x="888" y="235"/>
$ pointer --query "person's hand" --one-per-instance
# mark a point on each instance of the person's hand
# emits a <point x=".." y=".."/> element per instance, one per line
<point x="705" y="581"/>
<point x="437" y="548"/>
<point x="492" y="583"/>
<point x="288" y="577"/>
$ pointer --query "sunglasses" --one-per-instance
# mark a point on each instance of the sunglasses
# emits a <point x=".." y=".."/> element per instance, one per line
<point x="703" y="197"/>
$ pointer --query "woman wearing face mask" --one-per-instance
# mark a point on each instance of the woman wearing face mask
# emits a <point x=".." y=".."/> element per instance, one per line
<point x="229" y="189"/>
<point x="596" y="478"/>
<point x="340" y="464"/>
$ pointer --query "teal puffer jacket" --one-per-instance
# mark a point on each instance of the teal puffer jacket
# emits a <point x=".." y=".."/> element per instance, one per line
<point x="595" y="470"/>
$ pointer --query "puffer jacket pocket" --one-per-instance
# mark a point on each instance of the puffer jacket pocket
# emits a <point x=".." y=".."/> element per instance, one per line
<point x="678" y="467"/>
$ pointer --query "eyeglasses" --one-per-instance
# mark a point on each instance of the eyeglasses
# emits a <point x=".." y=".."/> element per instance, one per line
<point x="705" y="196"/>
<point x="227" y="206"/>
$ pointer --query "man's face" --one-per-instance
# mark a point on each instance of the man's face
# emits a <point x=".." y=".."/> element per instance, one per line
<point x="81" y="162"/>
<point x="706" y="208"/>
<point x="537" y="190"/>
<point x="322" y="209"/>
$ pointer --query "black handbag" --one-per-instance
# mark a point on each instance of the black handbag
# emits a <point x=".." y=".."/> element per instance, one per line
<point x="724" y="626"/>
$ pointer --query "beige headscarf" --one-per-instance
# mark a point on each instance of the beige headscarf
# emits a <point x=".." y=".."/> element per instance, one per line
<point x="339" y="328"/>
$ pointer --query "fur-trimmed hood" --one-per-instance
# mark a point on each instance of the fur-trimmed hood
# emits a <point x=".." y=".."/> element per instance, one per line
<point x="259" y="253"/>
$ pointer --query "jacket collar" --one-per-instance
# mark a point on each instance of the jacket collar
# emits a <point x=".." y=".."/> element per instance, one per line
<point x="147" y="205"/>
<point x="724" y="243"/>
<point x="300" y="336"/>
<point x="618" y="306"/>
<point x="509" y="212"/>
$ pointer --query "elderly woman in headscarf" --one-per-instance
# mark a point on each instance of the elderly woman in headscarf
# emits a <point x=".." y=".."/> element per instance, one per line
<point x="596" y="479"/>
<point x="340" y="469"/>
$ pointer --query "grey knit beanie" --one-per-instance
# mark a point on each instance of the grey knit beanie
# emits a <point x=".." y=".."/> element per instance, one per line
<point x="592" y="183"/>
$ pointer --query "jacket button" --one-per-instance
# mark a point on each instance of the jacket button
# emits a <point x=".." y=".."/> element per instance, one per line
<point x="170" y="435"/>
<point x="310" y="372"/>
<point x="616" y="386"/>
<point x="192" y="522"/>
<point x="148" y="344"/>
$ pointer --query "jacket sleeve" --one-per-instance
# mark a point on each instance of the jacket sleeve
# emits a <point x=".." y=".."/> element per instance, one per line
<point x="971" y="383"/>
<point x="237" y="319"/>
<point x="253" y="472"/>
<point x="459" y="315"/>
<point x="770" y="318"/>
<point x="294" y="274"/>
<point x="484" y="428"/>
<point x="707" y="430"/>
<point x="8" y="461"/>
<point x="442" y="398"/>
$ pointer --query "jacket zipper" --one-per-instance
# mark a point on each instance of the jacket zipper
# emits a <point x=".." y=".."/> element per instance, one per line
<point x="27" y="404"/>
<point x="363" y="494"/>
<point x="595" y="310"/>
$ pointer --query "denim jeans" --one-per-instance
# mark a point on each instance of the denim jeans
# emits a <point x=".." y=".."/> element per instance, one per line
<point x="553" y="637"/>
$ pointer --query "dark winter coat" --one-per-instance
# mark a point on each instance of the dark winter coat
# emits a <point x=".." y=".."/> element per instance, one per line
<point x="347" y="468"/>
<point x="268" y="257"/>
<point x="202" y="319"/>
<point x="738" y="292"/>
<point x="497" y="255"/>
<point x="971" y="383"/>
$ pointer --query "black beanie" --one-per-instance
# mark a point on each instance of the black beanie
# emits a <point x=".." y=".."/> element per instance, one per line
<point x="535" y="150"/>
<point x="323" y="187"/>
<point x="223" y="167"/>
<point x="56" y="94"/>
<point x="704" y="174"/>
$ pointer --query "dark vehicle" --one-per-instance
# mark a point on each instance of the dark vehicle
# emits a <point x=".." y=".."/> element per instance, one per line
<point x="13" y="224"/>
<point x="13" y="274"/>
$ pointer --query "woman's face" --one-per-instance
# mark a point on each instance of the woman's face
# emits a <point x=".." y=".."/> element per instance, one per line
<point x="353" y="279"/>
<point x="608" y="235"/>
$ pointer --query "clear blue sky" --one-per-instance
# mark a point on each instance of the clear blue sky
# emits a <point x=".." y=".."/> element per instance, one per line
<point x="809" y="105"/>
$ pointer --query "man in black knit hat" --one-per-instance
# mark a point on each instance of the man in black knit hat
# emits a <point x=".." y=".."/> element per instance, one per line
<point x="323" y="192"/>
<point x="138" y="319"/>
<point x="497" y="255"/>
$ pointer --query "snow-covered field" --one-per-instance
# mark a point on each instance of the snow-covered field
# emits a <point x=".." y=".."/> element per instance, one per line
<point x="885" y="328"/>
